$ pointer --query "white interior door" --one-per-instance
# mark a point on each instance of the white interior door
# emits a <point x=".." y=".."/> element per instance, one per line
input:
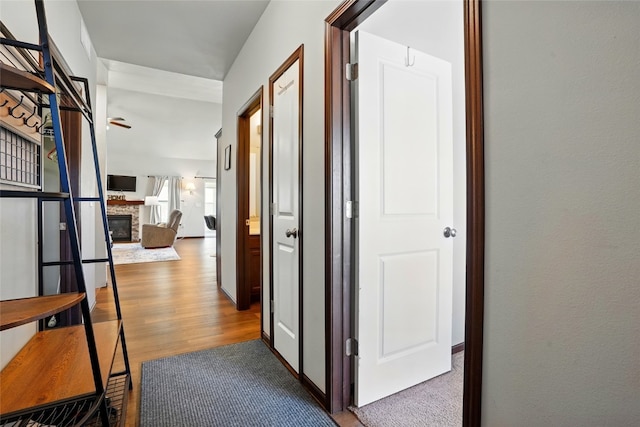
<point x="405" y="192"/>
<point x="286" y="242"/>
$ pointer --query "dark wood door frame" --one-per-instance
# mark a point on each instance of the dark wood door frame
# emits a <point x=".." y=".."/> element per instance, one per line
<point x="218" y="209"/>
<point x="339" y="177"/>
<point x="71" y="122"/>
<point x="297" y="55"/>
<point x="243" y="286"/>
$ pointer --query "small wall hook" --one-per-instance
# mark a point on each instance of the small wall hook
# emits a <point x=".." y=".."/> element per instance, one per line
<point x="407" y="62"/>
<point x="6" y="101"/>
<point x="27" y="119"/>
<point x="12" y="109"/>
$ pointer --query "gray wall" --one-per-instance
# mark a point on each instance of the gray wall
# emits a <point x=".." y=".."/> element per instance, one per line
<point x="283" y="27"/>
<point x="562" y="109"/>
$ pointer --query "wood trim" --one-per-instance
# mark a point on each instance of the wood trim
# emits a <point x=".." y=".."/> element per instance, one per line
<point x="352" y="13"/>
<point x="337" y="300"/>
<point x="71" y="123"/>
<point x="338" y="238"/>
<point x="124" y="202"/>
<point x="457" y="348"/>
<point x="218" y="209"/>
<point x="474" y="313"/>
<point x="297" y="55"/>
<point x="265" y="338"/>
<point x="316" y="393"/>
<point x="338" y="233"/>
<point x="243" y="286"/>
<point x="286" y="364"/>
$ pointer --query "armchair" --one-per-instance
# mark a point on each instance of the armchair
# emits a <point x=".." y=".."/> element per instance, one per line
<point x="161" y="235"/>
<point x="210" y="221"/>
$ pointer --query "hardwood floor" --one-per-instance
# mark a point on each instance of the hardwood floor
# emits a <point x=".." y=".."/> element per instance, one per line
<point x="175" y="307"/>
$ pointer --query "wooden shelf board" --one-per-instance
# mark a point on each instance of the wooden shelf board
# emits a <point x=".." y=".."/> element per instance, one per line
<point x="125" y="202"/>
<point x="12" y="78"/>
<point x="55" y="366"/>
<point x="21" y="311"/>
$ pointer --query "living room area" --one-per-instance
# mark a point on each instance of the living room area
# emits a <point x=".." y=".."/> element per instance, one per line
<point x="160" y="143"/>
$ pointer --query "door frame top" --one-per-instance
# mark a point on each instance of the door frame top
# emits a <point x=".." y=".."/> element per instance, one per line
<point x="339" y="188"/>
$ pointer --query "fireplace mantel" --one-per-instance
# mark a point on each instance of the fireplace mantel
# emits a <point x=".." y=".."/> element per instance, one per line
<point x="125" y="202"/>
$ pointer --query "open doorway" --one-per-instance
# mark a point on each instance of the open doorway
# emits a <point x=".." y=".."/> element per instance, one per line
<point x="210" y="202"/>
<point x="341" y="188"/>
<point x="249" y="197"/>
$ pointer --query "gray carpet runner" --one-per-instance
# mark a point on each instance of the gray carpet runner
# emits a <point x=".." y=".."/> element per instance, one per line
<point x="235" y="385"/>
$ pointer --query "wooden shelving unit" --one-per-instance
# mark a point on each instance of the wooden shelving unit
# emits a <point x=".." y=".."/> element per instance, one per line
<point x="62" y="376"/>
<point x="22" y="311"/>
<point x="63" y="354"/>
<point x="12" y="78"/>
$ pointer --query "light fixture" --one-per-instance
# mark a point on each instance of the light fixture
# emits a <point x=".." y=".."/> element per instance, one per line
<point x="190" y="187"/>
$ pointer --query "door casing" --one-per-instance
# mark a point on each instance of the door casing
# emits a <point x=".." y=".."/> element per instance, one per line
<point x="243" y="285"/>
<point x="71" y="122"/>
<point x="218" y="209"/>
<point x="297" y="55"/>
<point x="339" y="241"/>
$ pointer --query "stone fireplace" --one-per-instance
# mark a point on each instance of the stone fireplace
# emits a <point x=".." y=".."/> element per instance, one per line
<point x="130" y="208"/>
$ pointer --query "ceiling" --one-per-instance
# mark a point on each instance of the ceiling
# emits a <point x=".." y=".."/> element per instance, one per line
<point x="166" y="61"/>
<point x="196" y="38"/>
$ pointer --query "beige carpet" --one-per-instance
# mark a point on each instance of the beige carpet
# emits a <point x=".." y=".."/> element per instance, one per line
<point x="434" y="403"/>
<point x="132" y="253"/>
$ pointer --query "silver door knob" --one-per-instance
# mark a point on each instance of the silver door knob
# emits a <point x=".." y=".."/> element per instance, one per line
<point x="290" y="233"/>
<point x="450" y="232"/>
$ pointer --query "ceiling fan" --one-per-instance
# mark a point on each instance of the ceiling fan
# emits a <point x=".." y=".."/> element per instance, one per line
<point x="117" y="121"/>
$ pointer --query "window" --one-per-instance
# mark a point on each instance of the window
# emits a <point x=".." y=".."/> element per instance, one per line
<point x="163" y="200"/>
<point x="210" y="198"/>
<point x="19" y="160"/>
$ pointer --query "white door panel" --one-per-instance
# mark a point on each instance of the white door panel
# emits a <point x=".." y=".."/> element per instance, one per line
<point x="405" y="195"/>
<point x="286" y="216"/>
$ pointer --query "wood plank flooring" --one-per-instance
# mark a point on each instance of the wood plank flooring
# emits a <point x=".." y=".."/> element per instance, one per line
<point x="175" y="307"/>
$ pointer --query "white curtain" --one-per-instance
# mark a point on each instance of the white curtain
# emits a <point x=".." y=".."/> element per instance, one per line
<point x="175" y="184"/>
<point x="158" y="183"/>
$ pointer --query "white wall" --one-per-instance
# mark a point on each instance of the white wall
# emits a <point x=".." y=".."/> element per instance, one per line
<point x="283" y="27"/>
<point x="436" y="28"/>
<point x="18" y="277"/>
<point x="64" y="26"/>
<point x="100" y="120"/>
<point x="562" y="102"/>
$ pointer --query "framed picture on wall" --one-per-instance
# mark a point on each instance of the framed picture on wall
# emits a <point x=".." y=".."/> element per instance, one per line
<point x="227" y="157"/>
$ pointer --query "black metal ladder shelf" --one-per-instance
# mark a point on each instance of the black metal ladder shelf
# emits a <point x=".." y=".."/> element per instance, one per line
<point x="62" y="376"/>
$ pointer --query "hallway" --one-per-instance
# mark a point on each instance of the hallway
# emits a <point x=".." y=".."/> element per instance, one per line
<point x="173" y="307"/>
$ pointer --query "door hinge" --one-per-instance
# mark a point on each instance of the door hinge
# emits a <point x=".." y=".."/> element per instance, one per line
<point x="271" y="111"/>
<point x="271" y="306"/>
<point x="351" y="209"/>
<point x="351" y="347"/>
<point x="272" y="208"/>
<point x="352" y="71"/>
